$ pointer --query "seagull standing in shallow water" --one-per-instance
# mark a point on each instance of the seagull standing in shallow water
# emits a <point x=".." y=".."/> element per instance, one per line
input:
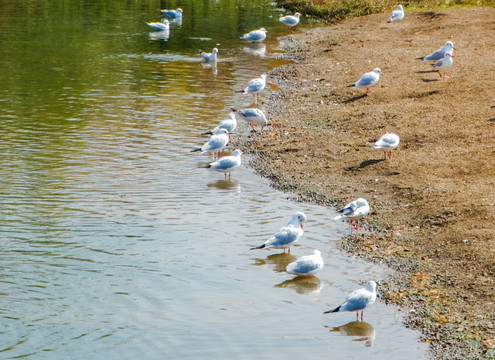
<point x="226" y="164"/>
<point x="440" y="53"/>
<point x="354" y="211"/>
<point x="255" y="86"/>
<point x="387" y="142"/>
<point x="216" y="143"/>
<point x="290" y="20"/>
<point x="229" y="124"/>
<point x="209" y="57"/>
<point x="396" y="15"/>
<point x="306" y="265"/>
<point x="444" y="63"/>
<point x="287" y="235"/>
<point x="358" y="300"/>
<point x="369" y="79"/>
<point x="253" y="115"/>
<point x="255" y="35"/>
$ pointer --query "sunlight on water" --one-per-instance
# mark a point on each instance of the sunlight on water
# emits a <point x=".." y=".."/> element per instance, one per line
<point x="116" y="241"/>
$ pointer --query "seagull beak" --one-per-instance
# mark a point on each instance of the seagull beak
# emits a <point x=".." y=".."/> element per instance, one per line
<point x="301" y="226"/>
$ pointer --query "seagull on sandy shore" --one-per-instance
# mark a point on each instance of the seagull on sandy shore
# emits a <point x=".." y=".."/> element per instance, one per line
<point x="229" y="124"/>
<point x="306" y="265"/>
<point x="354" y="211"/>
<point x="290" y="20"/>
<point x="369" y="79"/>
<point x="444" y="63"/>
<point x="215" y="144"/>
<point x="209" y="57"/>
<point x="397" y="14"/>
<point x="159" y="26"/>
<point x="440" y="53"/>
<point x="287" y="235"/>
<point x="255" y="35"/>
<point x="388" y="142"/>
<point x="358" y="300"/>
<point x="172" y="13"/>
<point x="255" y="86"/>
<point x="226" y="164"/>
<point x="252" y="116"/>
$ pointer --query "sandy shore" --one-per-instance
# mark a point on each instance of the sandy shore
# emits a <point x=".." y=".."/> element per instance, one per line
<point x="433" y="203"/>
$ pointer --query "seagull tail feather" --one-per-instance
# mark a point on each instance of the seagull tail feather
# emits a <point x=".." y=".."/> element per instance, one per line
<point x="195" y="150"/>
<point x="337" y="309"/>
<point x="207" y="133"/>
<point x="421" y="58"/>
<point x="258" y="247"/>
<point x="240" y="91"/>
<point x="338" y="217"/>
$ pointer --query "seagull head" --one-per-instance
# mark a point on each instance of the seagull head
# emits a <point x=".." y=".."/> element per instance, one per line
<point x="215" y="50"/>
<point x="361" y="202"/>
<point x="371" y="286"/>
<point x="399" y="7"/>
<point x="298" y="218"/>
<point x="448" y="54"/>
<point x="377" y="71"/>
<point x="297" y="15"/>
<point x="179" y="10"/>
<point x="263" y="77"/>
<point x="317" y="252"/>
<point x="262" y="29"/>
<point x="223" y="131"/>
<point x="450" y="45"/>
<point x="237" y="152"/>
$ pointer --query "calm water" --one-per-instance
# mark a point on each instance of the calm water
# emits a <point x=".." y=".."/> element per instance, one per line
<point x="116" y="243"/>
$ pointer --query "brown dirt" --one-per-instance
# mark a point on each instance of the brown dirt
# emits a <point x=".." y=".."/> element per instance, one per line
<point x="433" y="204"/>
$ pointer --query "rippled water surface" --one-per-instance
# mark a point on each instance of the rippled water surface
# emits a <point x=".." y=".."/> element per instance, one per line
<point x="116" y="242"/>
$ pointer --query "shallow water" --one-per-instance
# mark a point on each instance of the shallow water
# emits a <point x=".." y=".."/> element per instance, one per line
<point x="116" y="242"/>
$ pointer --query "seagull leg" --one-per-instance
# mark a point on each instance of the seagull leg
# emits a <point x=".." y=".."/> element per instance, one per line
<point x="229" y="175"/>
<point x="368" y="91"/>
<point x="385" y="155"/>
<point x="254" y="98"/>
<point x="357" y="315"/>
<point x="225" y="176"/>
<point x="362" y="315"/>
<point x="357" y="228"/>
<point x="289" y="250"/>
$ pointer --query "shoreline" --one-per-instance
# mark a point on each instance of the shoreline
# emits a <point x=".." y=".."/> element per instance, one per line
<point x="318" y="147"/>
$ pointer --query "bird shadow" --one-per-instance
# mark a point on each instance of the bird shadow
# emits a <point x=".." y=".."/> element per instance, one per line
<point x="425" y="71"/>
<point x="370" y="162"/>
<point x="355" y="98"/>
<point x="429" y="80"/>
<point x="492" y="119"/>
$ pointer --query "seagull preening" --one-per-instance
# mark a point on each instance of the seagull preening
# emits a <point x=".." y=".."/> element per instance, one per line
<point x="290" y="20"/>
<point x="216" y="143"/>
<point x="255" y="35"/>
<point x="255" y="86"/>
<point x="440" y="53"/>
<point x="369" y="79"/>
<point x="444" y="63"/>
<point x="226" y="164"/>
<point x="388" y="142"/>
<point x="172" y="13"/>
<point x="358" y="300"/>
<point x="396" y="15"/>
<point x="252" y="116"/>
<point x="209" y="57"/>
<point x="159" y="26"/>
<point x="306" y="265"/>
<point x="354" y="211"/>
<point x="229" y="124"/>
<point x="287" y="235"/>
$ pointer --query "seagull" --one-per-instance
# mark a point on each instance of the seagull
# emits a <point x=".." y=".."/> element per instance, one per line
<point x="216" y="143"/>
<point x="290" y="20"/>
<point x="440" y="53"/>
<point x="255" y="86"/>
<point x="396" y="15"/>
<point x="388" y="142"/>
<point x="306" y="265"/>
<point x="287" y="235"/>
<point x="369" y="79"/>
<point x="358" y="300"/>
<point x="229" y="124"/>
<point x="444" y="63"/>
<point x="159" y="26"/>
<point x="353" y="211"/>
<point x="252" y="116"/>
<point x="207" y="57"/>
<point x="255" y="35"/>
<point x="172" y="13"/>
<point x="227" y="163"/>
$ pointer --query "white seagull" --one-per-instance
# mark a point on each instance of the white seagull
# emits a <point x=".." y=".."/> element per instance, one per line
<point x="229" y="124"/>
<point x="255" y="86"/>
<point x="255" y="35"/>
<point x="388" y="142"/>
<point x="290" y="20"/>
<point x="287" y="235"/>
<point x="172" y="13"/>
<point x="159" y="26"/>
<point x="216" y="143"/>
<point x="369" y="79"/>
<point x="440" y="53"/>
<point x="209" y="57"/>
<point x="358" y="300"/>
<point x="396" y="15"/>
<point x="306" y="265"/>
<point x="444" y="63"/>
<point x="226" y="164"/>
<point x="353" y="211"/>
<point x="253" y="116"/>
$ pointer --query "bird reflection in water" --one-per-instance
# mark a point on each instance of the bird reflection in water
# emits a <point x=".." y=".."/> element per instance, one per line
<point x="308" y="285"/>
<point x="359" y="329"/>
<point x="277" y="261"/>
<point x="159" y="35"/>
<point x="229" y="184"/>
<point x="212" y="66"/>
<point x="257" y="49"/>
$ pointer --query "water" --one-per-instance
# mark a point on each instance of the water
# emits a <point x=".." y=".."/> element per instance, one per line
<point x="116" y="242"/>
